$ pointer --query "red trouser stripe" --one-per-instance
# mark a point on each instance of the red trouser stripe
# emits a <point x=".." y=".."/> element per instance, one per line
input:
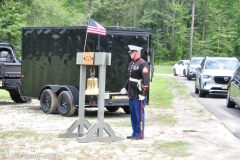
<point x="141" y="125"/>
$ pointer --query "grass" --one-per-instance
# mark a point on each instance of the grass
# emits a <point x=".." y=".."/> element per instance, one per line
<point x="167" y="119"/>
<point x="20" y="133"/>
<point x="123" y="147"/>
<point x="163" y="69"/>
<point x="175" y="148"/>
<point x="160" y="88"/>
<point x="4" y="95"/>
<point x="161" y="96"/>
<point x="2" y="150"/>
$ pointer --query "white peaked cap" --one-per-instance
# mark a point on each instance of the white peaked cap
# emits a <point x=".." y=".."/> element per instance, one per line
<point x="134" y="48"/>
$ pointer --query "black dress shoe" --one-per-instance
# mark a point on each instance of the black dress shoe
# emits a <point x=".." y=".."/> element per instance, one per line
<point x="129" y="137"/>
<point x="135" y="138"/>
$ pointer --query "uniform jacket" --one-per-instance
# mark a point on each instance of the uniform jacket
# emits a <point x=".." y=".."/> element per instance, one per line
<point x="138" y="81"/>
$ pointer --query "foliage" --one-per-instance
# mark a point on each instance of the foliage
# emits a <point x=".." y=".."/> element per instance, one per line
<point x="216" y="25"/>
<point x="48" y="13"/>
<point x="11" y="20"/>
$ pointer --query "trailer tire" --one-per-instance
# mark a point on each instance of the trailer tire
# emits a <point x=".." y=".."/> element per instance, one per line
<point x="65" y="104"/>
<point x="17" y="98"/>
<point x="48" y="101"/>
<point x="126" y="109"/>
<point x="112" y="109"/>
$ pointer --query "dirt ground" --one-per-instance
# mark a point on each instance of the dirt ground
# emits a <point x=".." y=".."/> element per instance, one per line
<point x="191" y="132"/>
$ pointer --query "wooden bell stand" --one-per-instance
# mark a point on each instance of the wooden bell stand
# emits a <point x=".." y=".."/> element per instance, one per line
<point x="96" y="131"/>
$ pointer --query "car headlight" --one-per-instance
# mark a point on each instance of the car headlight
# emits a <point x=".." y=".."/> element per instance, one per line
<point x="206" y="76"/>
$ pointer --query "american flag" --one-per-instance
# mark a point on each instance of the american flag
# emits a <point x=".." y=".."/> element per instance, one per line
<point x="95" y="28"/>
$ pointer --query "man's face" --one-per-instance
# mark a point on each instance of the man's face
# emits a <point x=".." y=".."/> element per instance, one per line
<point x="132" y="54"/>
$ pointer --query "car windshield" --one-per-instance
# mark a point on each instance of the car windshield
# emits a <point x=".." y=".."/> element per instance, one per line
<point x="186" y="64"/>
<point x="225" y="64"/>
<point x="196" y="61"/>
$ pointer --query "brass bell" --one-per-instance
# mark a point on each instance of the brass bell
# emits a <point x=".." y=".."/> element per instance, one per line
<point x="92" y="85"/>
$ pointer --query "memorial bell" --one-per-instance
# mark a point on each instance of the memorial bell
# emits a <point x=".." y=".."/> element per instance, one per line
<point x="92" y="84"/>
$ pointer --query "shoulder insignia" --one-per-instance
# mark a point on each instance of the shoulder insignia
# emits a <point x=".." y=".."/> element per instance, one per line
<point x="145" y="70"/>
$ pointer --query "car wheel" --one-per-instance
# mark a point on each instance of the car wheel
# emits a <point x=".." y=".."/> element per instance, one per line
<point x="196" y="90"/>
<point x="188" y="77"/>
<point x="184" y="72"/>
<point x="229" y="103"/>
<point x="174" y="72"/>
<point x="201" y="93"/>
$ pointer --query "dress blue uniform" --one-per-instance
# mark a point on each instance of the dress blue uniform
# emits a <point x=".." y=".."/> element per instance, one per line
<point x="136" y="87"/>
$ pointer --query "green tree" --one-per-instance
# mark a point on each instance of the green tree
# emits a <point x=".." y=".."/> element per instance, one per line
<point x="48" y="13"/>
<point x="11" y="21"/>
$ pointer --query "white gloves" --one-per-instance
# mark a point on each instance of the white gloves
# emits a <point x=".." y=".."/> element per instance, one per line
<point x="141" y="97"/>
<point x="123" y="91"/>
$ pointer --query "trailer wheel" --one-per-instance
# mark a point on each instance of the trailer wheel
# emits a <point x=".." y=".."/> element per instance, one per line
<point x="112" y="109"/>
<point x="126" y="109"/>
<point x="65" y="105"/>
<point x="48" y="101"/>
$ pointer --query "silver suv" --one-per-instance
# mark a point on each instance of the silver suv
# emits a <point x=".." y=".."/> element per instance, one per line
<point x="193" y="64"/>
<point x="213" y="75"/>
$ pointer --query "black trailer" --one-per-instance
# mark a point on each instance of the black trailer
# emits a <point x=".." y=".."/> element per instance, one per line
<point x="49" y="64"/>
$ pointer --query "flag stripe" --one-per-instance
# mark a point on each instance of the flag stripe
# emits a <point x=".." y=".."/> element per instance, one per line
<point x="95" y="28"/>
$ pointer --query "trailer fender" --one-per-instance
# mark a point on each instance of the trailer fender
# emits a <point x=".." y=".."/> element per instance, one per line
<point x="59" y="88"/>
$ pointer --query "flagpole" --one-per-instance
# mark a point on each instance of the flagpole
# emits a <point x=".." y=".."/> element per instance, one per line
<point x="85" y="42"/>
<point x="85" y="45"/>
<point x="86" y="38"/>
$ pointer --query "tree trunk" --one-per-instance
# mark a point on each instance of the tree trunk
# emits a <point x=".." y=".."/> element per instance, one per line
<point x="192" y="28"/>
<point x="89" y="7"/>
<point x="173" y="33"/>
<point x="112" y="19"/>
<point x="219" y="36"/>
<point x="203" y="22"/>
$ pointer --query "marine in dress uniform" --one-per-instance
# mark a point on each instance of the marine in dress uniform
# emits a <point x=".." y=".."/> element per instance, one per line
<point x="136" y="88"/>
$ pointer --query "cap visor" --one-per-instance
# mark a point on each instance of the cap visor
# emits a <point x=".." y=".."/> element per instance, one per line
<point x="131" y="51"/>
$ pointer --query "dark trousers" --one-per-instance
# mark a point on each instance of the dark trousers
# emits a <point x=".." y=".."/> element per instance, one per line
<point x="134" y="108"/>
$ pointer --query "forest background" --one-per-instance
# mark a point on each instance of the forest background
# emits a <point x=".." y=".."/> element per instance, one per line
<point x="181" y="29"/>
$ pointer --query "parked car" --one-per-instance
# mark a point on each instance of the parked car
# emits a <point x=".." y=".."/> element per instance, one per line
<point x="213" y="75"/>
<point x="193" y="64"/>
<point x="233" y="94"/>
<point x="180" y="67"/>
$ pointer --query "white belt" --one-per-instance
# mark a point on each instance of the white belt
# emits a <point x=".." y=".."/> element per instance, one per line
<point x="135" y="80"/>
<point x="139" y="82"/>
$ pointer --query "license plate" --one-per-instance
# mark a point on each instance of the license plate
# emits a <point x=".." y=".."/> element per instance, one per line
<point x="224" y="86"/>
<point x="106" y="96"/>
<point x="0" y="83"/>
